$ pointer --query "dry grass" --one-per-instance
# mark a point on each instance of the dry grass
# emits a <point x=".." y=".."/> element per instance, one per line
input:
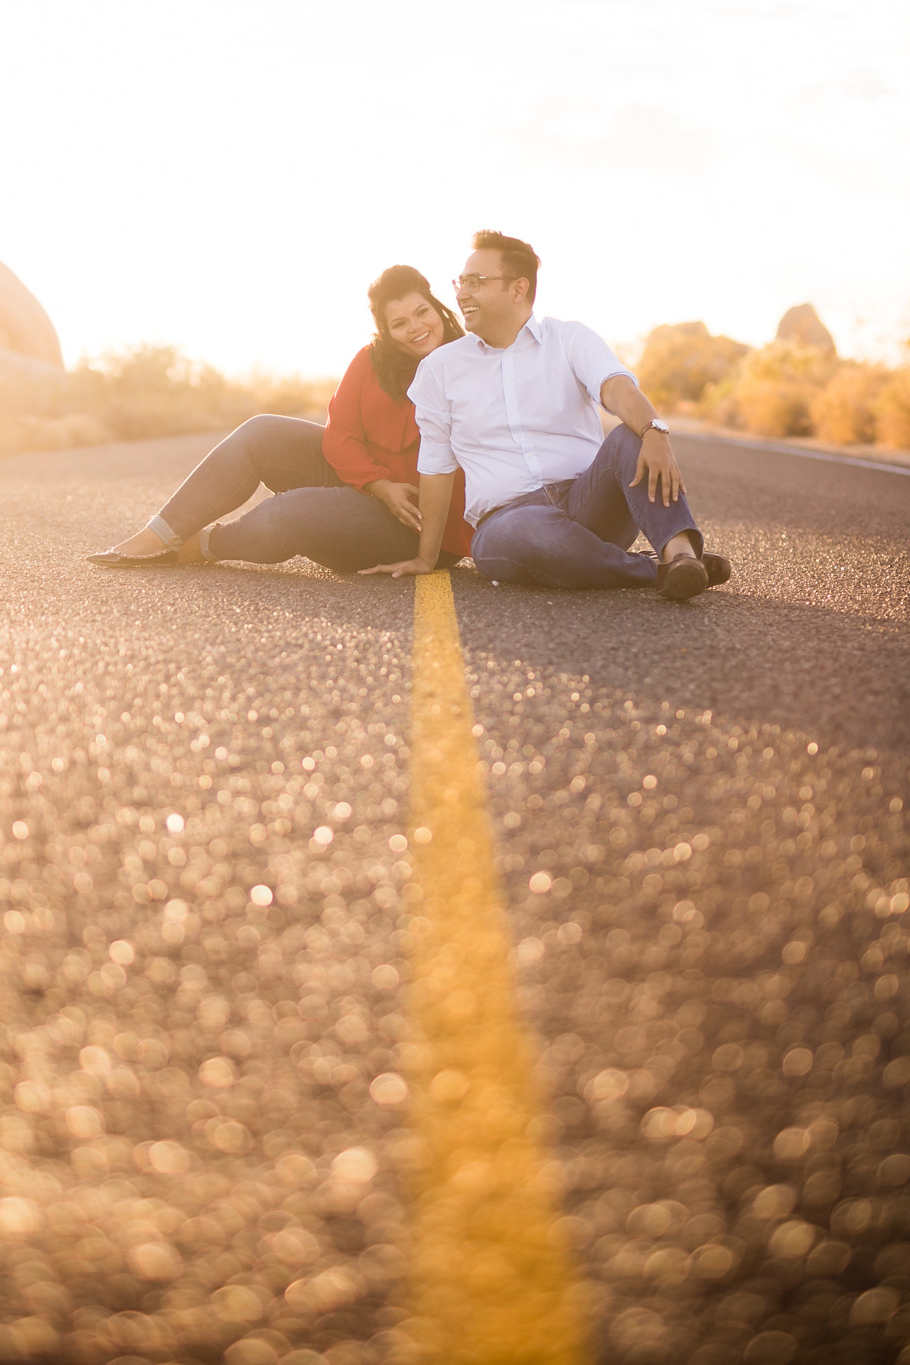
<point x="145" y="391"/>
<point x="845" y="410"/>
<point x="892" y="410"/>
<point x="781" y="390"/>
<point x="771" y="391"/>
<point x="680" y="362"/>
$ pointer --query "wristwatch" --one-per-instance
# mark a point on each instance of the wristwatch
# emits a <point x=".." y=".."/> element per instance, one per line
<point x="658" y="425"/>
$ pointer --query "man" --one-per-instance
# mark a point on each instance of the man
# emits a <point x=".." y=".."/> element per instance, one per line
<point x="514" y="403"/>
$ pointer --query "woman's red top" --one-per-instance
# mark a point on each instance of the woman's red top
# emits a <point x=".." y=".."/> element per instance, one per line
<point x="369" y="436"/>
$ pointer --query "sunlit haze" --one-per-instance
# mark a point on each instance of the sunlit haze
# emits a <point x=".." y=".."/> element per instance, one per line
<point x="229" y="176"/>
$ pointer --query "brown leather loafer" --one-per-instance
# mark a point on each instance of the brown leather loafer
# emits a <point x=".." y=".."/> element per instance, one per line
<point x="684" y="577"/>
<point x="717" y="568"/>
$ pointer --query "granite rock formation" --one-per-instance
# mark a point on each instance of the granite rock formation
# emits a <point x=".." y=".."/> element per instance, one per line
<point x="28" y="339"/>
<point x="802" y="326"/>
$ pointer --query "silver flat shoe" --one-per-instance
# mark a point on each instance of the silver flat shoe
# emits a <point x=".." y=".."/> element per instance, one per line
<point x="113" y="559"/>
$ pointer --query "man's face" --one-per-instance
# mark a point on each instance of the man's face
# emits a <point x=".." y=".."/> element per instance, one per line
<point x="489" y="308"/>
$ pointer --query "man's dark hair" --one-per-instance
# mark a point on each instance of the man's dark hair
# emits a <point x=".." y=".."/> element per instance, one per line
<point x="519" y="260"/>
<point x="394" y="369"/>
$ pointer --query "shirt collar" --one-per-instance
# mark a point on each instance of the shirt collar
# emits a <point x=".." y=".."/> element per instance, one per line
<point x="532" y="326"/>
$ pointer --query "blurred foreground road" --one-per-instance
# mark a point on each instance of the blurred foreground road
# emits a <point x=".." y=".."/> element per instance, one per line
<point x="699" y="820"/>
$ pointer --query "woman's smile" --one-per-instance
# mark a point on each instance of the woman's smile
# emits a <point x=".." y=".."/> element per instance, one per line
<point x="414" y="325"/>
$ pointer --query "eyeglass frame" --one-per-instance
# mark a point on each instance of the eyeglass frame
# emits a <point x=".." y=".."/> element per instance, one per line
<point x="462" y="281"/>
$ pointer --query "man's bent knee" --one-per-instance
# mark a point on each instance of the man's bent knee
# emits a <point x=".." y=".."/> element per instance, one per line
<point x="621" y="447"/>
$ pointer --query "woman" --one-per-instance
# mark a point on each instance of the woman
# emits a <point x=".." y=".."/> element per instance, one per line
<point x="345" y="494"/>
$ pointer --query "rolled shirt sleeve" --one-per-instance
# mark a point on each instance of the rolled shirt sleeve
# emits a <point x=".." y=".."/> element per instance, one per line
<point x="514" y="418"/>
<point x="591" y="360"/>
<point x="434" y="420"/>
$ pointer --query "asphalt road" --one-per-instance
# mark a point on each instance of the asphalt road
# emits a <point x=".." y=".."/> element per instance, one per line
<point x="699" y="816"/>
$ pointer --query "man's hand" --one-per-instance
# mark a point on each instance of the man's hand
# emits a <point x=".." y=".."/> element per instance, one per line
<point x="404" y="566"/>
<point x="620" y="396"/>
<point x="399" y="498"/>
<point x="435" y="495"/>
<point x="656" y="458"/>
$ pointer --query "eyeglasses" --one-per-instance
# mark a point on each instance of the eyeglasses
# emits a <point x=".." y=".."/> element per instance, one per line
<point x="473" y="282"/>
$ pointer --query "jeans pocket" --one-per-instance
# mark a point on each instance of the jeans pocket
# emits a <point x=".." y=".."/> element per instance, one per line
<point x="558" y="494"/>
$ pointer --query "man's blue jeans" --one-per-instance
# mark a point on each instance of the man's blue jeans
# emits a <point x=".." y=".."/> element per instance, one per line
<point x="577" y="534"/>
<point x="313" y="513"/>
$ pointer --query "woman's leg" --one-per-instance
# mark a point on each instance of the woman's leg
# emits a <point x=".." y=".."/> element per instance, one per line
<point x="341" y="528"/>
<point x="281" y="452"/>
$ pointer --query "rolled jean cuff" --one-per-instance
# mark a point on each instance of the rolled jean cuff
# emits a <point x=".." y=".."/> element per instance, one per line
<point x="692" y="531"/>
<point x="164" y="532"/>
<point x="205" y="545"/>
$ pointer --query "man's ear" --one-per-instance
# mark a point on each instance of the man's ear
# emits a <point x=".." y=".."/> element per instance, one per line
<point x="520" y="289"/>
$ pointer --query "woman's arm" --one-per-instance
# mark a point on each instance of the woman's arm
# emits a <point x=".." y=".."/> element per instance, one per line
<point x="399" y="498"/>
<point x="346" y="443"/>
<point x="435" y="496"/>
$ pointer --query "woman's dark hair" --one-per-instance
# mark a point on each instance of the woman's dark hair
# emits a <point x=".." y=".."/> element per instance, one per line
<point x="394" y="369"/>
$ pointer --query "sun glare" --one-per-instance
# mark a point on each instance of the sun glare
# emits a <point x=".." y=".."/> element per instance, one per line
<point x="234" y="192"/>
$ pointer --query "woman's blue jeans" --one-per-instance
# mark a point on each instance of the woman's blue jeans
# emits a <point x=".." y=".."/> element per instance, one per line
<point x="576" y="534"/>
<point x="313" y="513"/>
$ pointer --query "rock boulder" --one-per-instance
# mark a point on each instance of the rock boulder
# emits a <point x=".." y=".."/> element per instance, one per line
<point x="28" y="339"/>
<point x="802" y="326"/>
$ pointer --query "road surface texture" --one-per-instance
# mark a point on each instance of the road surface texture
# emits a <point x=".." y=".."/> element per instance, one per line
<point x="351" y="985"/>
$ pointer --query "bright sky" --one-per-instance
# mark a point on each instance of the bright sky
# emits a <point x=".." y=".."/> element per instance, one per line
<point x="229" y="175"/>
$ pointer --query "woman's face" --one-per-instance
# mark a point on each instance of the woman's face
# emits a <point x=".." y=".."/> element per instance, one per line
<point x="414" y="325"/>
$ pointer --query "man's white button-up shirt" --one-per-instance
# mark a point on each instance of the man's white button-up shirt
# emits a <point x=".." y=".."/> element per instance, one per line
<point x="514" y="419"/>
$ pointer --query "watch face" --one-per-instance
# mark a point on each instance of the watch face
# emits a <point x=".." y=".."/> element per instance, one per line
<point x="660" y="426"/>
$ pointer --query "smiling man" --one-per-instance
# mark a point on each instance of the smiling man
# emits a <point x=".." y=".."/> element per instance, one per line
<point x="515" y="405"/>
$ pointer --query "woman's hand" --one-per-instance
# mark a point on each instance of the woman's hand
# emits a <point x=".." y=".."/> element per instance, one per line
<point x="404" y="566"/>
<point x="399" y="498"/>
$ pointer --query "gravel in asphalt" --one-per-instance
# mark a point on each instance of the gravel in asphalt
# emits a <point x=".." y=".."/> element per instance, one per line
<point x="701" y="839"/>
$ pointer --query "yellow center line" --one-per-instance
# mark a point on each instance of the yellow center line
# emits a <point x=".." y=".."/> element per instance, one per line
<point x="489" y="1278"/>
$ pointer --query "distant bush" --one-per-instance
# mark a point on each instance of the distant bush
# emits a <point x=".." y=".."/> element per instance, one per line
<point x="892" y="410"/>
<point x="144" y="391"/>
<point x="772" y="390"/>
<point x="680" y="361"/>
<point x="796" y="386"/>
<point x="772" y="407"/>
<point x="844" y="411"/>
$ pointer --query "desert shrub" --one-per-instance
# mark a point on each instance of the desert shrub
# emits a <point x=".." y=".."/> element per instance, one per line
<point x="678" y="363"/>
<point x="143" y="391"/>
<point x="156" y="391"/>
<point x="783" y="361"/>
<point x="844" y="410"/>
<point x="892" y="410"/>
<point x="291" y="395"/>
<point x="60" y="433"/>
<point x="718" y="402"/>
<point x="773" y="389"/>
<point x="772" y="407"/>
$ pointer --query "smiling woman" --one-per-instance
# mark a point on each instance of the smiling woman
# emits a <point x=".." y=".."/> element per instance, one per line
<point x="346" y="494"/>
<point x="410" y="323"/>
<point x="415" y="325"/>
